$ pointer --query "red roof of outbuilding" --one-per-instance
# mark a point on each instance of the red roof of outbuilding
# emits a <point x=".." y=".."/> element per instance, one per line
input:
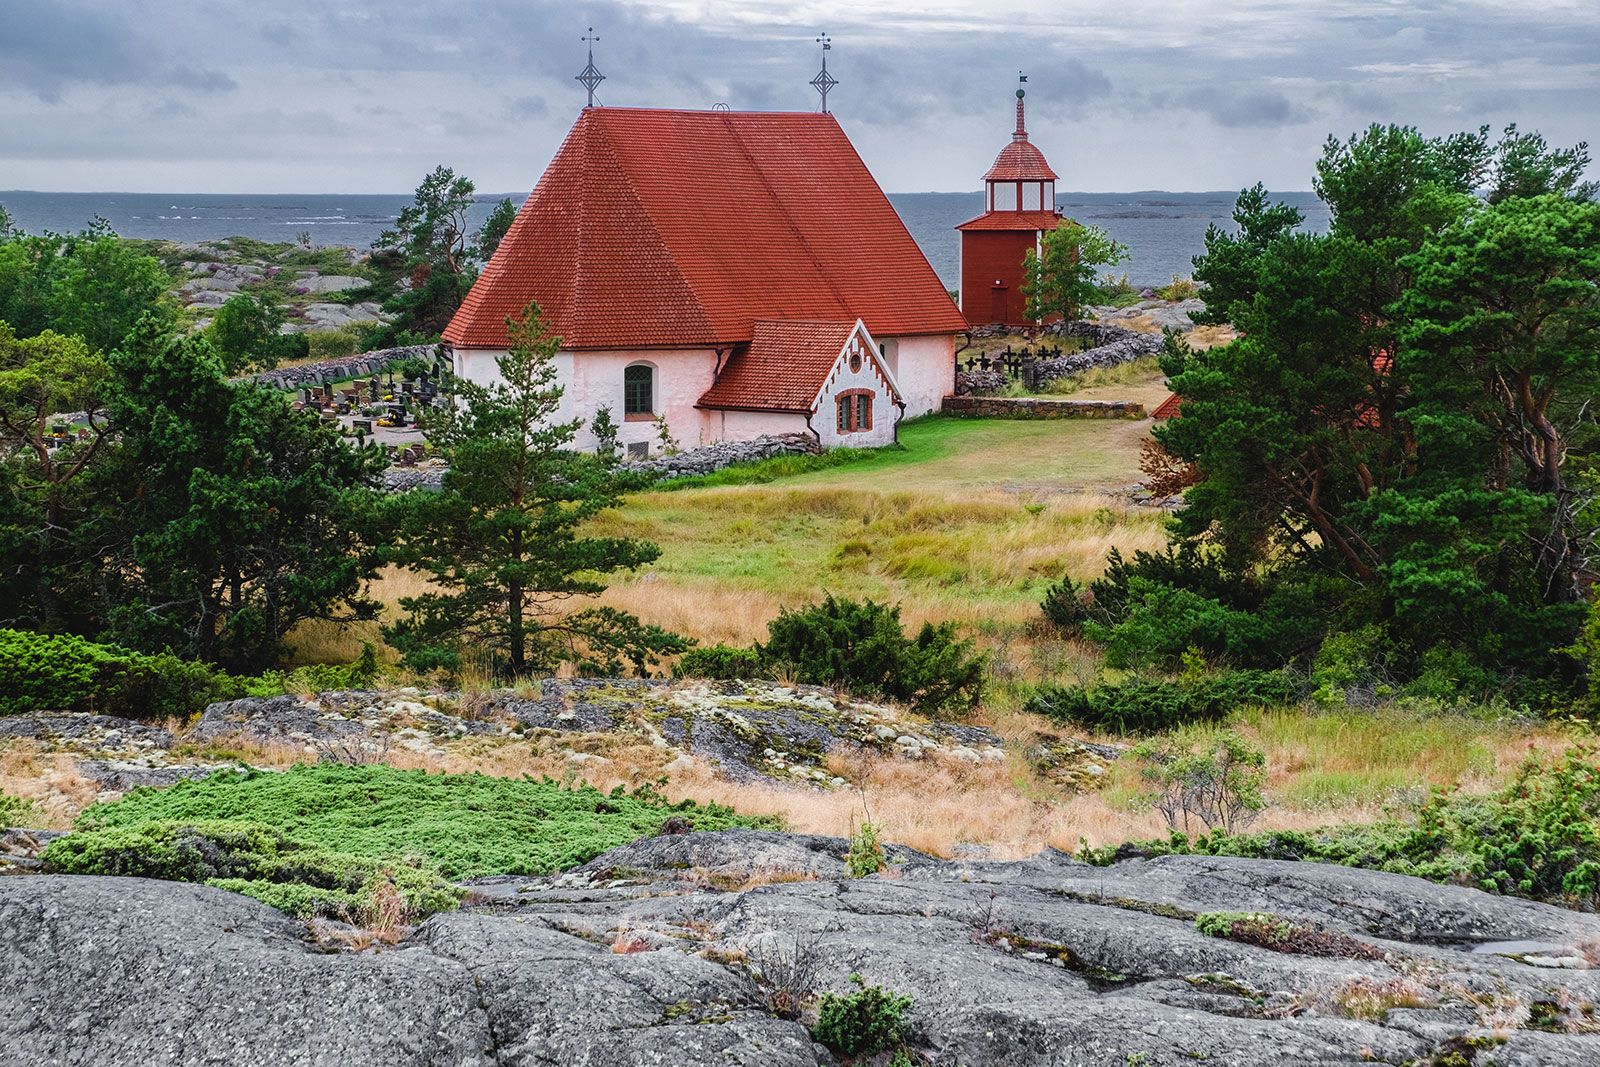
<point x="682" y="228"/>
<point x="1168" y="408"/>
<point x="783" y="369"/>
<point x="1014" y="220"/>
<point x="1019" y="161"/>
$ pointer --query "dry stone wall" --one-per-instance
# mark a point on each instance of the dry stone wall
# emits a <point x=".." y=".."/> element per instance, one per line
<point x="342" y="369"/>
<point x="1030" y="407"/>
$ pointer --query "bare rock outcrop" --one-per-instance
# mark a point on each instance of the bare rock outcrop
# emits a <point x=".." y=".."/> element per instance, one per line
<point x="659" y="953"/>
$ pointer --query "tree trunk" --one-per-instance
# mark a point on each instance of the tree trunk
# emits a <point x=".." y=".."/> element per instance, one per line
<point x="516" y="629"/>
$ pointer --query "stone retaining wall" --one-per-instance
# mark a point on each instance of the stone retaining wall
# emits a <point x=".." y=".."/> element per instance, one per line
<point x="1032" y="407"/>
<point x="696" y="461"/>
<point x="714" y="457"/>
<point x="360" y="365"/>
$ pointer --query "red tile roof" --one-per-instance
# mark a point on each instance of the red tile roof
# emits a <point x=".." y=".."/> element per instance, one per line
<point x="1168" y="407"/>
<point x="1013" y="220"/>
<point x="682" y="228"/>
<point x="1019" y="161"/>
<point x="783" y="369"/>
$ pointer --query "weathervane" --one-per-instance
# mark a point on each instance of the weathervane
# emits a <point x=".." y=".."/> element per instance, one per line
<point x="591" y="76"/>
<point x="824" y="81"/>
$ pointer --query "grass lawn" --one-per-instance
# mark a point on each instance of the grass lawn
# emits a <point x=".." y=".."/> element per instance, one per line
<point x="970" y="520"/>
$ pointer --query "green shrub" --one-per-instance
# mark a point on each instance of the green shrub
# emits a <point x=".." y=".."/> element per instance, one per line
<point x="1149" y="611"/>
<point x="863" y="1023"/>
<point x="1067" y="605"/>
<point x="313" y="677"/>
<point x="865" y="857"/>
<point x="1350" y="659"/>
<point x="333" y="344"/>
<point x="65" y="673"/>
<point x="1147" y="706"/>
<point x="1117" y="290"/>
<point x="1222" y="923"/>
<point x="60" y="672"/>
<point x="1586" y="651"/>
<point x="1180" y="289"/>
<point x="16" y="811"/>
<point x="721" y="662"/>
<point x="1216" y="782"/>
<point x="859" y="646"/>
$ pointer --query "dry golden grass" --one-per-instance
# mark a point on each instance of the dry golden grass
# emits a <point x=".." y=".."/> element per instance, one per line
<point x="49" y="779"/>
<point x="969" y="523"/>
<point x="1203" y="337"/>
<point x="1140" y="381"/>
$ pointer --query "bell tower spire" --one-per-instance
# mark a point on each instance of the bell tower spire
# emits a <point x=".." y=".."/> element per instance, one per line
<point x="1021" y="132"/>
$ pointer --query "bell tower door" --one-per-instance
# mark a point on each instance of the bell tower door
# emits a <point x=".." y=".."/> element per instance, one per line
<point x="998" y="304"/>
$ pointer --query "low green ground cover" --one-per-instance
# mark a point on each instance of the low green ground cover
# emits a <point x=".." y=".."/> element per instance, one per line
<point x="1538" y="837"/>
<point x="332" y="838"/>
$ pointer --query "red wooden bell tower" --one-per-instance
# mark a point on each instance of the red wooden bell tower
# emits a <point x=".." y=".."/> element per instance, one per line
<point x="1021" y="190"/>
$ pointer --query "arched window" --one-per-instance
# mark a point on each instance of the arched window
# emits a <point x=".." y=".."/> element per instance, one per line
<point x="639" y="391"/>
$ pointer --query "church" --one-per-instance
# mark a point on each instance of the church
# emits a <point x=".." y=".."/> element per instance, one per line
<point x="727" y="273"/>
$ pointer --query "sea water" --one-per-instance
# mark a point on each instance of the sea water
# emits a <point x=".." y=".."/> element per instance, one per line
<point x="1162" y="230"/>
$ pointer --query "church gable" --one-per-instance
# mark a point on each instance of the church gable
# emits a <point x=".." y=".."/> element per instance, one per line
<point x="858" y="401"/>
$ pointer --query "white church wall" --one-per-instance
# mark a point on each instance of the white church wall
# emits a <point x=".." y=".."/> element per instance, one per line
<point x="924" y="369"/>
<point x="681" y="376"/>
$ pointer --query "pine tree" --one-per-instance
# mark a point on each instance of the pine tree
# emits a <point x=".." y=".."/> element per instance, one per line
<point x="503" y="544"/>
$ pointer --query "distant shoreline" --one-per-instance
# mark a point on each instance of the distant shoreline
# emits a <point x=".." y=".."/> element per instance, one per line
<point x="1163" y="229"/>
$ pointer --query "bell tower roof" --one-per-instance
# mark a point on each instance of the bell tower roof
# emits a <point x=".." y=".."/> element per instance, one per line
<point x="1020" y="161"/>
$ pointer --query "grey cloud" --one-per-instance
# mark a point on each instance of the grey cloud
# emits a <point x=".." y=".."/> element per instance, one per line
<point x="528" y="107"/>
<point x="46" y="48"/>
<point x="489" y="88"/>
<point x="1260" y="107"/>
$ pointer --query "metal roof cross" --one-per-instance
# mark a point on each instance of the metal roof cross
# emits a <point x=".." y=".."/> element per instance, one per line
<point x="824" y="81"/>
<point x="591" y="76"/>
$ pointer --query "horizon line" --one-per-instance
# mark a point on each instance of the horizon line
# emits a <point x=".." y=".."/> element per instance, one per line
<point x="499" y="195"/>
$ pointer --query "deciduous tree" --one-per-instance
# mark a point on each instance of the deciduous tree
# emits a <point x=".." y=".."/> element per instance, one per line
<point x="1061" y="280"/>
<point x="246" y="334"/>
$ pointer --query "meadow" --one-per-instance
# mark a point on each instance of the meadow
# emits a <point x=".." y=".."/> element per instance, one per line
<point x="970" y="521"/>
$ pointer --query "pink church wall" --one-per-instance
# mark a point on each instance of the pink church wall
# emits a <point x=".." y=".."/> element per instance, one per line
<point x="682" y="375"/>
<point x="593" y="380"/>
<point x="925" y="369"/>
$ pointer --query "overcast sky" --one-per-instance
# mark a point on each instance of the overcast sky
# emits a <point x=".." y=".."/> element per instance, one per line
<point x="366" y="95"/>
